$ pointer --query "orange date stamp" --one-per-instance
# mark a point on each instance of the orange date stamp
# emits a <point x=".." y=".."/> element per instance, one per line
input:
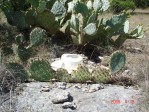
<point x="122" y="101"/>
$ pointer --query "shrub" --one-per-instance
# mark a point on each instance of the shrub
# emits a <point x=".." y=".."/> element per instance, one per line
<point x="119" y="5"/>
<point x="141" y="3"/>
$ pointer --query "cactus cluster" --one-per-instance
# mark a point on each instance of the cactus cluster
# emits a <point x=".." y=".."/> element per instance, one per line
<point x="84" y="20"/>
<point x="37" y="37"/>
<point x="85" y="25"/>
<point x="41" y="71"/>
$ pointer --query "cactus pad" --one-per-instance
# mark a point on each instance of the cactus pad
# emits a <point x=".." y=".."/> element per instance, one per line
<point x="18" y="71"/>
<point x="58" y="9"/>
<point x="63" y="75"/>
<point x="46" y="19"/>
<point x="101" y="76"/>
<point x="90" y="29"/>
<point x="117" y="61"/>
<point x="30" y="17"/>
<point x="23" y="53"/>
<point x="41" y="71"/>
<point x="37" y="36"/>
<point x="81" y="75"/>
<point x="42" y="6"/>
<point x="81" y="8"/>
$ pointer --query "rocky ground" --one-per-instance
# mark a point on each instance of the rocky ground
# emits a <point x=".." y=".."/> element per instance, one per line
<point x="63" y="97"/>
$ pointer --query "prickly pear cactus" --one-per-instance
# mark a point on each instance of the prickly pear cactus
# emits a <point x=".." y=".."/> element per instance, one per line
<point x="30" y="16"/>
<point x="90" y="29"/>
<point x="101" y="76"/>
<point x="58" y="9"/>
<point x="42" y="6"/>
<point x="34" y="3"/>
<point x="117" y="61"/>
<point x="99" y="5"/>
<point x="18" y="71"/>
<point x="82" y="8"/>
<point x="37" y="36"/>
<point x="63" y="75"/>
<point x="19" y="39"/>
<point x="41" y="71"/>
<point x="46" y="19"/>
<point x="81" y="75"/>
<point x="23" y="53"/>
<point x="16" y="18"/>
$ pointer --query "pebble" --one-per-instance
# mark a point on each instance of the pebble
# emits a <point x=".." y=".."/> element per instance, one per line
<point x="70" y="105"/>
<point x="62" y="97"/>
<point x="95" y="87"/>
<point x="45" y="90"/>
<point x="61" y="85"/>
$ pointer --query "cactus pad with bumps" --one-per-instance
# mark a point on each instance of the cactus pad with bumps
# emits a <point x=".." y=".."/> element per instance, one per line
<point x="101" y="76"/>
<point x="18" y="71"/>
<point x="41" y="71"/>
<point x="117" y="61"/>
<point x="63" y="75"/>
<point x="81" y="75"/>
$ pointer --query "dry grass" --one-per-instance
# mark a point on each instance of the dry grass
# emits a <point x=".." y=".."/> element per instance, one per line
<point x="7" y="86"/>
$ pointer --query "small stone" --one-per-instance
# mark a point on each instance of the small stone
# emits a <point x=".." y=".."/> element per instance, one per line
<point x="89" y="82"/>
<point x="77" y="86"/>
<point x="95" y="87"/>
<point x="62" y="97"/>
<point x="61" y="85"/>
<point x="126" y="72"/>
<point x="91" y="63"/>
<point x="45" y="90"/>
<point x="54" y="80"/>
<point x="70" y="105"/>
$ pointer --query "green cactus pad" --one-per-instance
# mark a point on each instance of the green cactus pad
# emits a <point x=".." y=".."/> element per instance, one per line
<point x="37" y="36"/>
<point x="116" y="23"/>
<point x="92" y="18"/>
<point x="81" y="75"/>
<point x="16" y="18"/>
<point x="97" y="5"/>
<point x="105" y="5"/>
<point x="80" y="7"/>
<point x="30" y="17"/>
<point x="74" y="22"/>
<point x="58" y="9"/>
<point x="46" y="19"/>
<point x="101" y="76"/>
<point x="90" y="29"/>
<point x="42" y="6"/>
<point x="23" y="53"/>
<point x="117" y="61"/>
<point x="34" y="3"/>
<point x="137" y="32"/>
<point x="41" y="71"/>
<point x="63" y="75"/>
<point x="18" y="71"/>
